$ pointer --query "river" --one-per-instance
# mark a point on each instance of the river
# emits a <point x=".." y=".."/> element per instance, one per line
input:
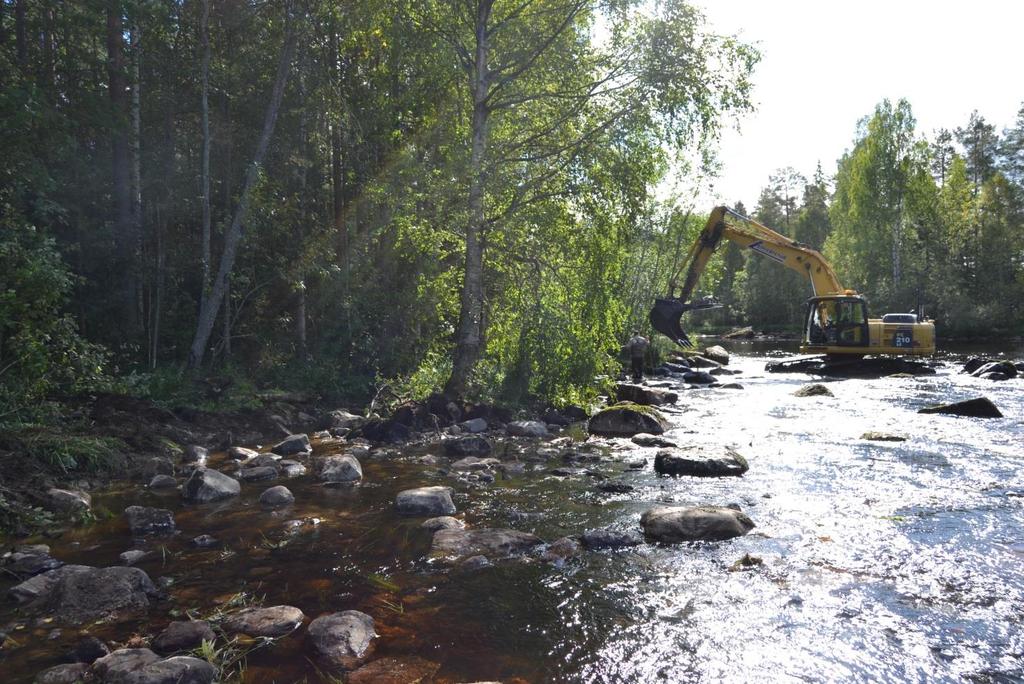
<point x="880" y="561"/>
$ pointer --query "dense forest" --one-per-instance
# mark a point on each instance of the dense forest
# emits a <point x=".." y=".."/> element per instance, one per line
<point x="460" y="195"/>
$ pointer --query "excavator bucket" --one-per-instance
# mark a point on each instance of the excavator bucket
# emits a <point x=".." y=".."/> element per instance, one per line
<point x="666" y="314"/>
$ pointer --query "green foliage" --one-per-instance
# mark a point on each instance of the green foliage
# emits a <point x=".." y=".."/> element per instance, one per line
<point x="71" y="453"/>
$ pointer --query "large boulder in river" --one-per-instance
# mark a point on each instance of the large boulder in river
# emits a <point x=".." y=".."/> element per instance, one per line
<point x="275" y="497"/>
<point x="144" y="520"/>
<point x="996" y="370"/>
<point x="343" y="640"/>
<point x="627" y="419"/>
<point x="273" y="621"/>
<point x="699" y="378"/>
<point x="470" y="445"/>
<point x="341" y="419"/>
<point x="425" y="501"/>
<point x="453" y="544"/>
<point x="340" y="469"/>
<point x="205" y="485"/>
<point x="142" y="666"/>
<point x="69" y="673"/>
<point x="673" y="524"/>
<point x="648" y="396"/>
<point x="291" y="445"/>
<point x="527" y="428"/>
<point x="980" y="407"/>
<point x="697" y="462"/>
<point x="717" y="354"/>
<point x="78" y="593"/>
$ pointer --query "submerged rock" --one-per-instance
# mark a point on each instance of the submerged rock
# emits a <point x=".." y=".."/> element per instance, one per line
<point x="132" y="556"/>
<point x="343" y="639"/>
<point x="644" y="439"/>
<point x="561" y="550"/>
<point x="339" y="469"/>
<point x="444" y="522"/>
<point x="407" y="670"/>
<point x="672" y="524"/>
<point x="183" y="635"/>
<point x="693" y="461"/>
<point x="626" y="420"/>
<point x="273" y="621"/>
<point x="813" y="390"/>
<point x="488" y="542"/>
<point x="143" y="520"/>
<point x="205" y="485"/>
<point x="292" y="445"/>
<point x="78" y="593"/>
<point x="883" y="437"/>
<point x="428" y="501"/>
<point x="604" y="538"/>
<point x="527" y="428"/>
<point x="980" y="407"/>
<point x="647" y="396"/>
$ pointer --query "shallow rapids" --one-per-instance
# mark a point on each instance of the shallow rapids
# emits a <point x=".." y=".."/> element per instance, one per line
<point x="890" y="561"/>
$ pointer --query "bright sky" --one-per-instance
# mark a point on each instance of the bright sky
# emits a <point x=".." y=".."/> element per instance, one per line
<point x="826" y="63"/>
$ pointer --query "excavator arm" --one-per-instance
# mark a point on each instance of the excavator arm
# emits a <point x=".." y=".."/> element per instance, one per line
<point x="723" y="223"/>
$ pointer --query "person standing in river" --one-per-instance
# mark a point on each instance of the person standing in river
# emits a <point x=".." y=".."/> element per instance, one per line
<point x="637" y="349"/>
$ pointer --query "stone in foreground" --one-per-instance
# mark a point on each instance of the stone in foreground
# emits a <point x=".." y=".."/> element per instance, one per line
<point x="428" y="501"/>
<point x="647" y="396"/>
<point x="274" y="621"/>
<point x="343" y="639"/>
<point x="142" y="666"/>
<point x="883" y="437"/>
<point x="694" y="462"/>
<point x="488" y="542"/>
<point x="471" y="445"/>
<point x="340" y="469"/>
<point x="444" y="522"/>
<point x="143" y="520"/>
<point x="527" y="428"/>
<point x="814" y="390"/>
<point x="626" y="420"/>
<point x="70" y="673"/>
<point x="673" y="524"/>
<point x="183" y="635"/>
<point x="205" y="485"/>
<point x="276" y="497"/>
<point x="604" y="538"/>
<point x="980" y="407"/>
<point x="291" y="445"/>
<point x="78" y="593"/>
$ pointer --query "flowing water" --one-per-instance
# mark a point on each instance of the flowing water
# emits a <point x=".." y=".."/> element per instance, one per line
<point x="881" y="561"/>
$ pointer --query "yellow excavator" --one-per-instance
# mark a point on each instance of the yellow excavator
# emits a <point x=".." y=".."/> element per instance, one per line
<point x="836" y="322"/>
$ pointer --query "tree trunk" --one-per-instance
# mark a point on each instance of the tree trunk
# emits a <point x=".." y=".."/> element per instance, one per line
<point x="338" y="188"/>
<point x="204" y="40"/>
<point x="135" y="145"/>
<point x="211" y="302"/>
<point x="469" y="334"/>
<point x="123" y="242"/>
<point x="21" y="37"/>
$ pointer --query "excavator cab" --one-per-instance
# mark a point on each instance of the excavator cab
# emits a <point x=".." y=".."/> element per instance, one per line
<point x="836" y="321"/>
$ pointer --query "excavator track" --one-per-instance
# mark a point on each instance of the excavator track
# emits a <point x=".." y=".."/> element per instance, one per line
<point x="859" y="367"/>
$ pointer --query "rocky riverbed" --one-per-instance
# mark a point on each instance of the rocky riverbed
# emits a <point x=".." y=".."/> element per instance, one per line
<point x="752" y="531"/>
